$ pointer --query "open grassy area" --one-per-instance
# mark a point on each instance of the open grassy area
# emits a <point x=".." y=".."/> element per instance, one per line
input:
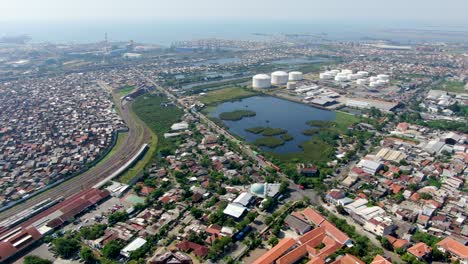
<point x="236" y="115"/>
<point x="451" y="86"/>
<point x="204" y="87"/>
<point x="226" y="94"/>
<point x="271" y="142"/>
<point x="123" y="91"/>
<point x="266" y="131"/>
<point x="159" y="119"/>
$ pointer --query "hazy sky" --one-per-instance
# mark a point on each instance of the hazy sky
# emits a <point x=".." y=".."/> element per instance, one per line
<point x="435" y="11"/>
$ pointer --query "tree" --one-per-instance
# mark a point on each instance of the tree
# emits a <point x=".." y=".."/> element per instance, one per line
<point x="112" y="249"/>
<point x="273" y="241"/>
<point x="93" y="232"/>
<point x="386" y="244"/>
<point x="197" y="213"/>
<point x="66" y="247"/>
<point x="340" y="209"/>
<point x="137" y="188"/>
<point x="87" y="255"/>
<point x="425" y="196"/>
<point x="117" y="217"/>
<point x="284" y="187"/>
<point x="36" y="260"/>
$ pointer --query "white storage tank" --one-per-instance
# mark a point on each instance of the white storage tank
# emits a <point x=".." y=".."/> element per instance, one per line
<point x="295" y="76"/>
<point x="353" y="76"/>
<point x="279" y="78"/>
<point x="374" y="84"/>
<point x="334" y="72"/>
<point x="373" y="79"/>
<point x="363" y="74"/>
<point x="341" y="77"/>
<point x="383" y="77"/>
<point x="361" y="82"/>
<point x="261" y="81"/>
<point x="347" y="71"/>
<point x="291" y="86"/>
<point x="326" y="75"/>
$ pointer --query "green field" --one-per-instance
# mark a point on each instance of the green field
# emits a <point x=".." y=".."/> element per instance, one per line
<point x="204" y="87"/>
<point x="236" y="115"/>
<point x="226" y="94"/>
<point x="271" y="142"/>
<point x="451" y="86"/>
<point x="159" y="119"/>
<point x="123" y="91"/>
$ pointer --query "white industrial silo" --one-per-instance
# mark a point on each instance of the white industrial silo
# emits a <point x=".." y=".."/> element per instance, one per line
<point x="383" y="77"/>
<point x="326" y="75"/>
<point x="361" y="82"/>
<point x="295" y="76"/>
<point x="279" y="78"/>
<point x="291" y="85"/>
<point x="334" y="72"/>
<point x="261" y="81"/>
<point x="341" y="77"/>
<point x="362" y="74"/>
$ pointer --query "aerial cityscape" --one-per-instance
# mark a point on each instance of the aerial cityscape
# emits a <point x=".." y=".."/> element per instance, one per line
<point x="210" y="132"/>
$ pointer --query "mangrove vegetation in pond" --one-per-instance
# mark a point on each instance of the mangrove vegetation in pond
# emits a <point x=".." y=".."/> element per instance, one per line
<point x="267" y="131"/>
<point x="271" y="142"/>
<point x="236" y="115"/>
<point x="286" y="137"/>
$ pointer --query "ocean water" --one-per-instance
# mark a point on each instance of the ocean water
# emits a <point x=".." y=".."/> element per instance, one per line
<point x="166" y="32"/>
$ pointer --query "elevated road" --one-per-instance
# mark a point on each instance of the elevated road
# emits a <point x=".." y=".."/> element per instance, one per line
<point x="138" y="135"/>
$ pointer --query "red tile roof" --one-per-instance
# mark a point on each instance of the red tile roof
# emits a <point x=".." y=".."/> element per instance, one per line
<point x="348" y="259"/>
<point x="273" y="254"/>
<point x="198" y="249"/>
<point x="381" y="260"/>
<point x="420" y="250"/>
<point x="454" y="247"/>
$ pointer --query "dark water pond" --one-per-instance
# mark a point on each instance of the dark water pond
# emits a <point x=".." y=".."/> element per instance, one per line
<point x="273" y="112"/>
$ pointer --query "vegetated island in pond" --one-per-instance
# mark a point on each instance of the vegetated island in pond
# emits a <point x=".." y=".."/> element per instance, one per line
<point x="286" y="137"/>
<point x="236" y="115"/>
<point x="271" y="142"/>
<point x="266" y="131"/>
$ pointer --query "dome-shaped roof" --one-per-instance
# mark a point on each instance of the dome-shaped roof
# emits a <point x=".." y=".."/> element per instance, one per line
<point x="258" y="189"/>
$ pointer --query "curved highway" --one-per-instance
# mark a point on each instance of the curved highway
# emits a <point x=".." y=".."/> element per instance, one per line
<point x="138" y="135"/>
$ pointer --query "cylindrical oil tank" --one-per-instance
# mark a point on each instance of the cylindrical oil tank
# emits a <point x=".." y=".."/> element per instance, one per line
<point x="261" y="81"/>
<point x="295" y="76"/>
<point x="279" y="78"/>
<point x="291" y="86"/>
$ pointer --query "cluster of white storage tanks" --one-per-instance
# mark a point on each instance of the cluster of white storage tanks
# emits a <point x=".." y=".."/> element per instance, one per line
<point x="361" y="77"/>
<point x="277" y="78"/>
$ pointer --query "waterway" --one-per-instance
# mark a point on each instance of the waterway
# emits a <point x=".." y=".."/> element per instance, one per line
<point x="273" y="112"/>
